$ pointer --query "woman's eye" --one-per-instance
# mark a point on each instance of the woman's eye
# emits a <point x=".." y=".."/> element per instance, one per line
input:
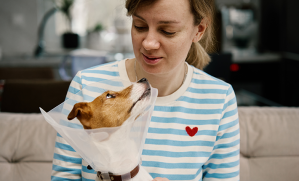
<point x="108" y="96"/>
<point x="167" y="33"/>
<point x="143" y="28"/>
<point x="139" y="28"/>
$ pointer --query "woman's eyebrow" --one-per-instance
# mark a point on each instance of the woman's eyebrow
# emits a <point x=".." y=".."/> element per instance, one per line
<point x="160" y="22"/>
<point x="139" y="16"/>
<point x="168" y="22"/>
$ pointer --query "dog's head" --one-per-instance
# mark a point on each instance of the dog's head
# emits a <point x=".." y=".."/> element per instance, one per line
<point x="111" y="108"/>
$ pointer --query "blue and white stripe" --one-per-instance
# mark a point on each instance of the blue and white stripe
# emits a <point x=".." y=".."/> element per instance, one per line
<point x="208" y="104"/>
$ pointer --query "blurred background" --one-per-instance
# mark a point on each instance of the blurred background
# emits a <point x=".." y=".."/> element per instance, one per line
<point x="43" y="43"/>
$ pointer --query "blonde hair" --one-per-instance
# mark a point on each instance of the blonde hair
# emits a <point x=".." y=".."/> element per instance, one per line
<point x="198" y="53"/>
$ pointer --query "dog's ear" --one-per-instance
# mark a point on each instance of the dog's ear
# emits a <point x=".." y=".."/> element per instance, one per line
<point x="82" y="112"/>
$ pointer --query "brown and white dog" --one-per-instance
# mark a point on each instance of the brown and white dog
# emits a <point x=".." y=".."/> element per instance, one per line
<point x="112" y="109"/>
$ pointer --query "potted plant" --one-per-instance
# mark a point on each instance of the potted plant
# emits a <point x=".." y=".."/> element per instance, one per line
<point x="70" y="40"/>
<point x="94" y="37"/>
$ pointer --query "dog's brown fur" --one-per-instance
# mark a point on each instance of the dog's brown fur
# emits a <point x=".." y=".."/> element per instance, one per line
<point x="110" y="109"/>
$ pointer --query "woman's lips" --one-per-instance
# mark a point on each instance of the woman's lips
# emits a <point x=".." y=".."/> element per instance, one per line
<point x="151" y="59"/>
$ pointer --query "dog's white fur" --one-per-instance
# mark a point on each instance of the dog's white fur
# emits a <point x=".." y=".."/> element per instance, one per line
<point x="125" y="158"/>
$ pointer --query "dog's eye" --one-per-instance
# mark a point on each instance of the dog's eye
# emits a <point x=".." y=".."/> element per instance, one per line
<point x="108" y="96"/>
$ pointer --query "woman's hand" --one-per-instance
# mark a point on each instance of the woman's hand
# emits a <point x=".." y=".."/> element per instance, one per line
<point x="160" y="179"/>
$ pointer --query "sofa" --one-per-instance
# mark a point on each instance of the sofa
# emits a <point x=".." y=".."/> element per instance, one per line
<point x="269" y="145"/>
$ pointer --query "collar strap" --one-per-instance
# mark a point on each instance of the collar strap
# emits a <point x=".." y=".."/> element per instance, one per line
<point x="112" y="177"/>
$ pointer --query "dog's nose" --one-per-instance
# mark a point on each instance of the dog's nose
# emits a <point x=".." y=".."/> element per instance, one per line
<point x="142" y="80"/>
<point x="89" y="167"/>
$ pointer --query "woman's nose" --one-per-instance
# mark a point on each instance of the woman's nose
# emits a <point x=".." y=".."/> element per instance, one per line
<point x="151" y="42"/>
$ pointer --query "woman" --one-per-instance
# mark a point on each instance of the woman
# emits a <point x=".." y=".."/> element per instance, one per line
<point x="194" y="131"/>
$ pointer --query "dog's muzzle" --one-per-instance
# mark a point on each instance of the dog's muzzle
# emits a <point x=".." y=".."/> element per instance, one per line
<point x="126" y="176"/>
<point x="146" y="93"/>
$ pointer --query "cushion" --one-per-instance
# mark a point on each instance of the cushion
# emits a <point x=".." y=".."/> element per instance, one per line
<point x="27" y="145"/>
<point x="269" y="144"/>
<point x="269" y="131"/>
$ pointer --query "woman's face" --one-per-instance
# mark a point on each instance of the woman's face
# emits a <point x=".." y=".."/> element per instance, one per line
<point x="162" y="34"/>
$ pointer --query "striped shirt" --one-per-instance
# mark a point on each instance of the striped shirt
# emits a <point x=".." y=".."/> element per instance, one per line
<point x="193" y="133"/>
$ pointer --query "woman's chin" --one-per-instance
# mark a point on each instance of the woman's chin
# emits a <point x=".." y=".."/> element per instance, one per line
<point x="152" y="70"/>
<point x="149" y="69"/>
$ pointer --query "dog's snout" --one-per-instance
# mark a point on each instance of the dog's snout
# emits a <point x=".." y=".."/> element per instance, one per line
<point x="142" y="80"/>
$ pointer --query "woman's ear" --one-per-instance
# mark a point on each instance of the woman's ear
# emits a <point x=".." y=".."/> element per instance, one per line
<point x="200" y="30"/>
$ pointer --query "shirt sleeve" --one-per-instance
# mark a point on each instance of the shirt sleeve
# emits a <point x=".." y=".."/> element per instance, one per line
<point x="223" y="164"/>
<point x="67" y="163"/>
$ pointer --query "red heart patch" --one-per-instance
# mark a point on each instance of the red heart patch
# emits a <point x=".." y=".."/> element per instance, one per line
<point x="191" y="132"/>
